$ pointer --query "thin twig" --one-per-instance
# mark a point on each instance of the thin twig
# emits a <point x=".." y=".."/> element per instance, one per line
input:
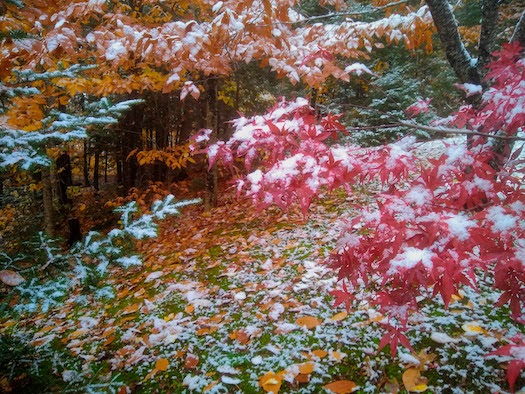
<point x="350" y="13"/>
<point x="448" y="130"/>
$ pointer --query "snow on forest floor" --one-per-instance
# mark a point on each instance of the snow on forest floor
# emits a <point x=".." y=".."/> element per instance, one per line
<point x="229" y="301"/>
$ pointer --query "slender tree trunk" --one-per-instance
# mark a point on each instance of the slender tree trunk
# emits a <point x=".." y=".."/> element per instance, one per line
<point x="85" y="166"/>
<point x="96" y="168"/>
<point x="47" y="192"/>
<point x="106" y="167"/>
<point x="212" y="120"/>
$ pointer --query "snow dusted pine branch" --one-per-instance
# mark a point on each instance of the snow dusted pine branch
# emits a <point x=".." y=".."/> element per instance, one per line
<point x="92" y="256"/>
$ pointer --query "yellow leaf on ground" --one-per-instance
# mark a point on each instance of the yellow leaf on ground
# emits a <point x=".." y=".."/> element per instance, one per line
<point x="473" y="328"/>
<point x="308" y="321"/>
<point x="413" y="380"/>
<point x="336" y="355"/>
<point x="341" y="386"/>
<point x="162" y="364"/>
<point x="271" y="382"/>
<point x="189" y="309"/>
<point x="339" y="316"/>
<point x="319" y="353"/>
<point x="307" y="368"/>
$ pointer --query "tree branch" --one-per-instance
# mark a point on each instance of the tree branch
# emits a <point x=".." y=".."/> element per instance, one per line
<point x="519" y="31"/>
<point x="355" y="13"/>
<point x="457" y="55"/>
<point x="449" y="130"/>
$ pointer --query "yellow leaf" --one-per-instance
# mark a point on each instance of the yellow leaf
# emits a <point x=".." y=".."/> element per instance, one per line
<point x="307" y="368"/>
<point x="271" y="381"/>
<point x="162" y="364"/>
<point x="308" y="322"/>
<point x="473" y="328"/>
<point x="320" y="353"/>
<point x="413" y="380"/>
<point x="341" y="386"/>
<point x="339" y="316"/>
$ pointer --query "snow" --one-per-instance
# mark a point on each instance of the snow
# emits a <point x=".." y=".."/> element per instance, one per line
<point x="501" y="221"/>
<point x="470" y="89"/>
<point x="410" y="258"/>
<point x="459" y="225"/>
<point x="358" y="69"/>
<point x="115" y="50"/>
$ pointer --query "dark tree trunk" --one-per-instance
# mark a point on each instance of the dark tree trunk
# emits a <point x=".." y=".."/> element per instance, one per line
<point x="85" y="166"/>
<point x="212" y="122"/>
<point x="106" y="167"/>
<point x="457" y="55"/>
<point x="47" y="195"/>
<point x="64" y="176"/>
<point x="489" y="22"/>
<point x="96" y="172"/>
<point x="75" y="234"/>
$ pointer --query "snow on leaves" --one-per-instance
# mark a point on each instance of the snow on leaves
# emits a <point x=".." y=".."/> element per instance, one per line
<point x="435" y="226"/>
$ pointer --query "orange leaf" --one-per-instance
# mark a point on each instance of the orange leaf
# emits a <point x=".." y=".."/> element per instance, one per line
<point x="271" y="381"/>
<point x="413" y="380"/>
<point x="307" y="368"/>
<point x="308" y="321"/>
<point x="320" y="353"/>
<point x="162" y="364"/>
<point x="341" y="386"/>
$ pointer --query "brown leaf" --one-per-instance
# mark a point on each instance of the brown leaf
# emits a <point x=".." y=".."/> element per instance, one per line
<point x="191" y="361"/>
<point x="341" y="386"/>
<point x="11" y="278"/>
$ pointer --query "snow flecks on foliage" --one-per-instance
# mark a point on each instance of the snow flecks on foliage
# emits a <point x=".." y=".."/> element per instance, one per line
<point x="94" y="254"/>
<point x="190" y="313"/>
<point x="417" y="240"/>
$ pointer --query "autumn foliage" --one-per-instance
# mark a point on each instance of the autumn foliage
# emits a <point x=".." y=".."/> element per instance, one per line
<point x="436" y="225"/>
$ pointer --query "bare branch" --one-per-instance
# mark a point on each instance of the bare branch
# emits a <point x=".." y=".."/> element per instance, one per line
<point x="519" y="31"/>
<point x="449" y="130"/>
<point x="354" y="13"/>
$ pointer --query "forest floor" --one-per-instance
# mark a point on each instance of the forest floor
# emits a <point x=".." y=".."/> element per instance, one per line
<point x="231" y="300"/>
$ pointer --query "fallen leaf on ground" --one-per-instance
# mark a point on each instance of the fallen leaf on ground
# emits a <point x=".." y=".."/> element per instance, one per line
<point x="162" y="364"/>
<point x="306" y="368"/>
<point x="341" y="386"/>
<point x="339" y="316"/>
<point x="413" y="380"/>
<point x="308" y="321"/>
<point x="11" y="278"/>
<point x="271" y="381"/>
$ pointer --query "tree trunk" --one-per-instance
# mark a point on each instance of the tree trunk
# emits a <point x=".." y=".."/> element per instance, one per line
<point x="212" y="121"/>
<point x="47" y="192"/>
<point x="489" y="22"/>
<point x="106" y="167"/>
<point x="85" y="167"/>
<point x="64" y="177"/>
<point x="457" y="55"/>
<point x="96" y="168"/>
